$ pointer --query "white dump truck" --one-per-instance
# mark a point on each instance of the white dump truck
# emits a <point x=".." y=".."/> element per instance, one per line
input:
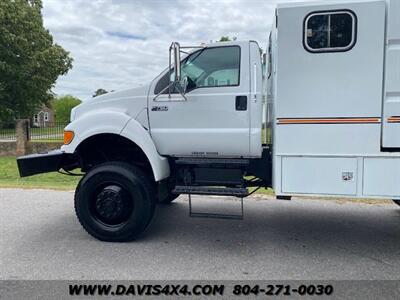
<point x="319" y="114"/>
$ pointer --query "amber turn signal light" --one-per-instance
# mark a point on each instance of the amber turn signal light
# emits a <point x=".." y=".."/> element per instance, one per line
<point x="68" y="137"/>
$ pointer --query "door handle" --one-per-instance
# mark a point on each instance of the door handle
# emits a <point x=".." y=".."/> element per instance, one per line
<point x="241" y="103"/>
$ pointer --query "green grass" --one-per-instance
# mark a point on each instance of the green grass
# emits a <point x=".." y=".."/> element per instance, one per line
<point x="267" y="192"/>
<point x="9" y="178"/>
<point x="266" y="135"/>
<point x="60" y="140"/>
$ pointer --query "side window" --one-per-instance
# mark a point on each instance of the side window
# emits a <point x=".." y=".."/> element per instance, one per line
<point x="209" y="67"/>
<point x="213" y="67"/>
<point x="330" y="31"/>
<point x="226" y="77"/>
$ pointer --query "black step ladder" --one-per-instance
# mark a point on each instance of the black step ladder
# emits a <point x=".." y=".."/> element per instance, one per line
<point x="218" y="191"/>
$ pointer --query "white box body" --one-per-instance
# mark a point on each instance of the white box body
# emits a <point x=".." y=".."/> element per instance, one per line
<point x="334" y="114"/>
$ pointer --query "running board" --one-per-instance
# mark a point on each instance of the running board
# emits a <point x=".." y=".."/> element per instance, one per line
<point x="205" y="190"/>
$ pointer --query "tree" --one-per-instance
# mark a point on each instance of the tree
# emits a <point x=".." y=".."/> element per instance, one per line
<point x="62" y="107"/>
<point x="227" y="39"/>
<point x="224" y="39"/>
<point x="30" y="62"/>
<point x="99" y="92"/>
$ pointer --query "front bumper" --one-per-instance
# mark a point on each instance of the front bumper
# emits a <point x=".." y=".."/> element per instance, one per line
<point x="45" y="162"/>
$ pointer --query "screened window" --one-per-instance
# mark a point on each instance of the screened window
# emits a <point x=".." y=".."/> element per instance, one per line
<point x="330" y="31"/>
<point x="209" y="67"/>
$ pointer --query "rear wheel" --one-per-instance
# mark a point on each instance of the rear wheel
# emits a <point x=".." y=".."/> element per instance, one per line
<point x="397" y="202"/>
<point x="115" y="202"/>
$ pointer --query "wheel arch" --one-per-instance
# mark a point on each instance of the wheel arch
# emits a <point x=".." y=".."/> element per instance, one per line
<point x="135" y="132"/>
<point x="118" y="130"/>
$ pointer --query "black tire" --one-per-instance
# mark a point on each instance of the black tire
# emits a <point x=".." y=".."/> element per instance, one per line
<point x="115" y="202"/>
<point x="169" y="199"/>
<point x="397" y="202"/>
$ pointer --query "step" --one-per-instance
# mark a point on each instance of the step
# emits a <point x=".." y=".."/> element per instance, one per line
<point x="205" y="190"/>
<point x="212" y="161"/>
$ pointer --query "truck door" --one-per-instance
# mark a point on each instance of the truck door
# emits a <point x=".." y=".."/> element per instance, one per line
<point x="391" y="99"/>
<point x="214" y="120"/>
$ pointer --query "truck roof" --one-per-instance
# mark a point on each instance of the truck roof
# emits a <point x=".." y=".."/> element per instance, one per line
<point x="231" y="43"/>
<point x="220" y="44"/>
<point x="322" y="3"/>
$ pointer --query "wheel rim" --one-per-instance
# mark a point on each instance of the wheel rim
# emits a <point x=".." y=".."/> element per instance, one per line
<point x="111" y="205"/>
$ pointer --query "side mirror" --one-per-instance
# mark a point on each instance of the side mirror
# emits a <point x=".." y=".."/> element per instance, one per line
<point x="184" y="84"/>
<point x="175" y="50"/>
<point x="176" y="83"/>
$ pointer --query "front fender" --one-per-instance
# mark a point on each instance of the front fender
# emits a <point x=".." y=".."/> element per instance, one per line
<point x="135" y="132"/>
<point x="98" y="122"/>
<point x="115" y="122"/>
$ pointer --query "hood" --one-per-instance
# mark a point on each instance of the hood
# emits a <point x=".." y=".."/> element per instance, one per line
<point x="129" y="101"/>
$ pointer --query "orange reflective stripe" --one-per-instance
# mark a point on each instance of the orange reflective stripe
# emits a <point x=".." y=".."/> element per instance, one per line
<point x="330" y="121"/>
<point x="393" y="120"/>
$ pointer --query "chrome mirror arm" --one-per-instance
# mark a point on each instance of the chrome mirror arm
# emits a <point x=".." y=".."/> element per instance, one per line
<point x="169" y="94"/>
<point x="177" y="49"/>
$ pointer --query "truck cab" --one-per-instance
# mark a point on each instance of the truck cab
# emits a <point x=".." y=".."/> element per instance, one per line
<point x="221" y="114"/>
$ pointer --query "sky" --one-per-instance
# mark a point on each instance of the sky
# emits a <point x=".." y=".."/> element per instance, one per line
<point x="118" y="44"/>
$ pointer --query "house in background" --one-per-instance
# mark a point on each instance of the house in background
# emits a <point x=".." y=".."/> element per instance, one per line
<point x="44" y="117"/>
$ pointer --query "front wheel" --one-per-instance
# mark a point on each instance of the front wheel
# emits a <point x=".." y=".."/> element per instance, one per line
<point x="114" y="202"/>
<point x="397" y="202"/>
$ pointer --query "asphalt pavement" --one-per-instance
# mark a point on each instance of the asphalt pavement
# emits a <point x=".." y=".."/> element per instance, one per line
<point x="40" y="238"/>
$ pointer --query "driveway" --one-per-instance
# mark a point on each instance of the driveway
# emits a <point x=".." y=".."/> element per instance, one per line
<point x="40" y="238"/>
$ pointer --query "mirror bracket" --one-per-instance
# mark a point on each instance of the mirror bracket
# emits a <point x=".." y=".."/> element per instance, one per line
<point x="176" y="83"/>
